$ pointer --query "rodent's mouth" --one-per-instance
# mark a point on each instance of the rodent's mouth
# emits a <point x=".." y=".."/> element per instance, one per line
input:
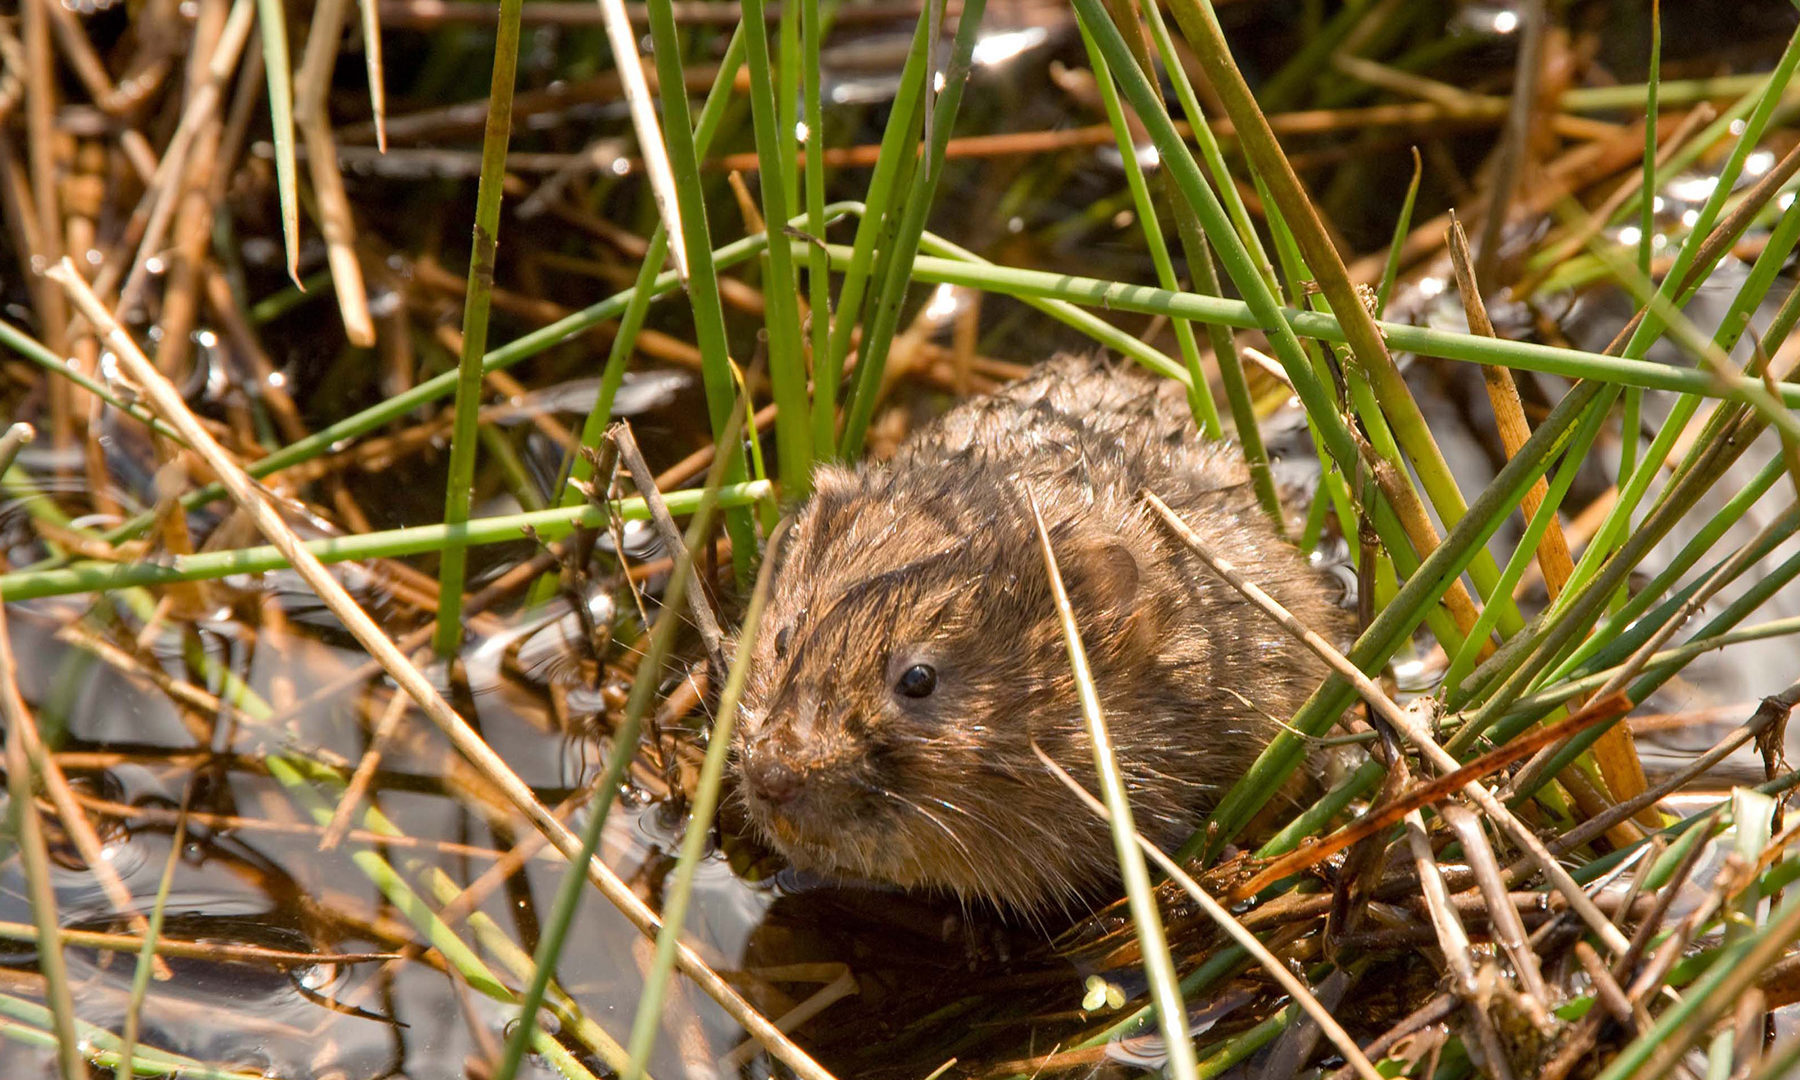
<point x="812" y="837"/>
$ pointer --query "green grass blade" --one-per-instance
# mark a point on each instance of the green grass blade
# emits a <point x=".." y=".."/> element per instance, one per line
<point x="884" y="319"/>
<point x="624" y="748"/>
<point x="459" y="489"/>
<point x="699" y="831"/>
<point x="818" y="265"/>
<point x="897" y="147"/>
<point x="781" y="289"/>
<point x="703" y="278"/>
<point x="631" y="321"/>
<point x="1159" y="965"/>
<point x="1206" y="414"/>
<point x="550" y="524"/>
<point x="271" y="18"/>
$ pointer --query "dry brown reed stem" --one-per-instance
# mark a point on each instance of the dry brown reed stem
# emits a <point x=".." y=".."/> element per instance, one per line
<point x="155" y="815"/>
<point x="652" y="343"/>
<point x="1509" y="418"/>
<point x="1742" y="977"/>
<point x="1404" y="722"/>
<point x="505" y="864"/>
<point x="1453" y="940"/>
<point x="244" y="491"/>
<point x="1770" y="718"/>
<point x="515" y="391"/>
<point x="156" y="209"/>
<point x="836" y="989"/>
<point x="1509" y="928"/>
<point x="364" y="775"/>
<point x="705" y="620"/>
<point x="80" y="829"/>
<point x="840" y="983"/>
<point x="1261" y="147"/>
<point x="273" y="392"/>
<point x="312" y="82"/>
<point x="1615" y="752"/>
<point x="1585" y="164"/>
<point x="41" y="149"/>
<point x="79" y="51"/>
<point x="1217" y="912"/>
<point x="195" y="950"/>
<point x="1606" y="988"/>
<point x="1435" y="1011"/>
<point x="1461" y="104"/>
<point x="1381" y="817"/>
<point x="34" y="854"/>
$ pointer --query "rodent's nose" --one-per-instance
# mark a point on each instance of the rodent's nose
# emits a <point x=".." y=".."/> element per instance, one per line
<point x="771" y="779"/>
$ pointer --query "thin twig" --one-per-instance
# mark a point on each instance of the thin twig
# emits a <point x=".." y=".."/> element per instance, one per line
<point x="698" y="602"/>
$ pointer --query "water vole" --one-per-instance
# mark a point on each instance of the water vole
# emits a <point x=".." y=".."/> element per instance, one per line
<point x="910" y="651"/>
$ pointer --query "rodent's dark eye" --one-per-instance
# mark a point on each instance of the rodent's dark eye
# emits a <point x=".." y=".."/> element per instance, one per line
<point x="781" y="641"/>
<point x="917" y="681"/>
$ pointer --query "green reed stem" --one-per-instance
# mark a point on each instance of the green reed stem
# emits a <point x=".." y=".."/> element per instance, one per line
<point x="1400" y="618"/>
<point x="1064" y="312"/>
<point x="459" y="488"/>
<point x="1320" y="404"/>
<point x="781" y="289"/>
<point x="28" y="347"/>
<point x="644" y="685"/>
<point x="1447" y="345"/>
<point x="1617" y="623"/>
<point x="703" y="277"/>
<point x="818" y="267"/>
<point x="1206" y="275"/>
<point x="1526" y="549"/>
<point x="1206" y="414"/>
<point x="884" y="317"/>
<point x="1390" y="270"/>
<point x="637" y="305"/>
<point x="146" y="958"/>
<point x="27" y="1022"/>
<point x="392" y="543"/>
<point x="271" y="20"/>
<point x="898" y="145"/>
<point x="297" y="776"/>
<point x="1368" y="348"/>
<point x="22" y="822"/>
<point x="325" y="440"/>
<point x="695" y="840"/>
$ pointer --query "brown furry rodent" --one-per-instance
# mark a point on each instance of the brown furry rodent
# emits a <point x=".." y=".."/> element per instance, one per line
<point x="910" y="651"/>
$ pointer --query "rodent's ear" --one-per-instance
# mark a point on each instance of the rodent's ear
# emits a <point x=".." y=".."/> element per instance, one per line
<point x="1102" y="574"/>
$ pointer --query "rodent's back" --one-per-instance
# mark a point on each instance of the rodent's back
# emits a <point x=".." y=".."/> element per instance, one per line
<point x="926" y="571"/>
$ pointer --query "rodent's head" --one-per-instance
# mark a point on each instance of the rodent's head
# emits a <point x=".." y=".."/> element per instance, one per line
<point x="908" y="656"/>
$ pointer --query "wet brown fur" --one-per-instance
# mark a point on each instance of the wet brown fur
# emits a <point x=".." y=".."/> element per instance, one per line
<point x="933" y="559"/>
